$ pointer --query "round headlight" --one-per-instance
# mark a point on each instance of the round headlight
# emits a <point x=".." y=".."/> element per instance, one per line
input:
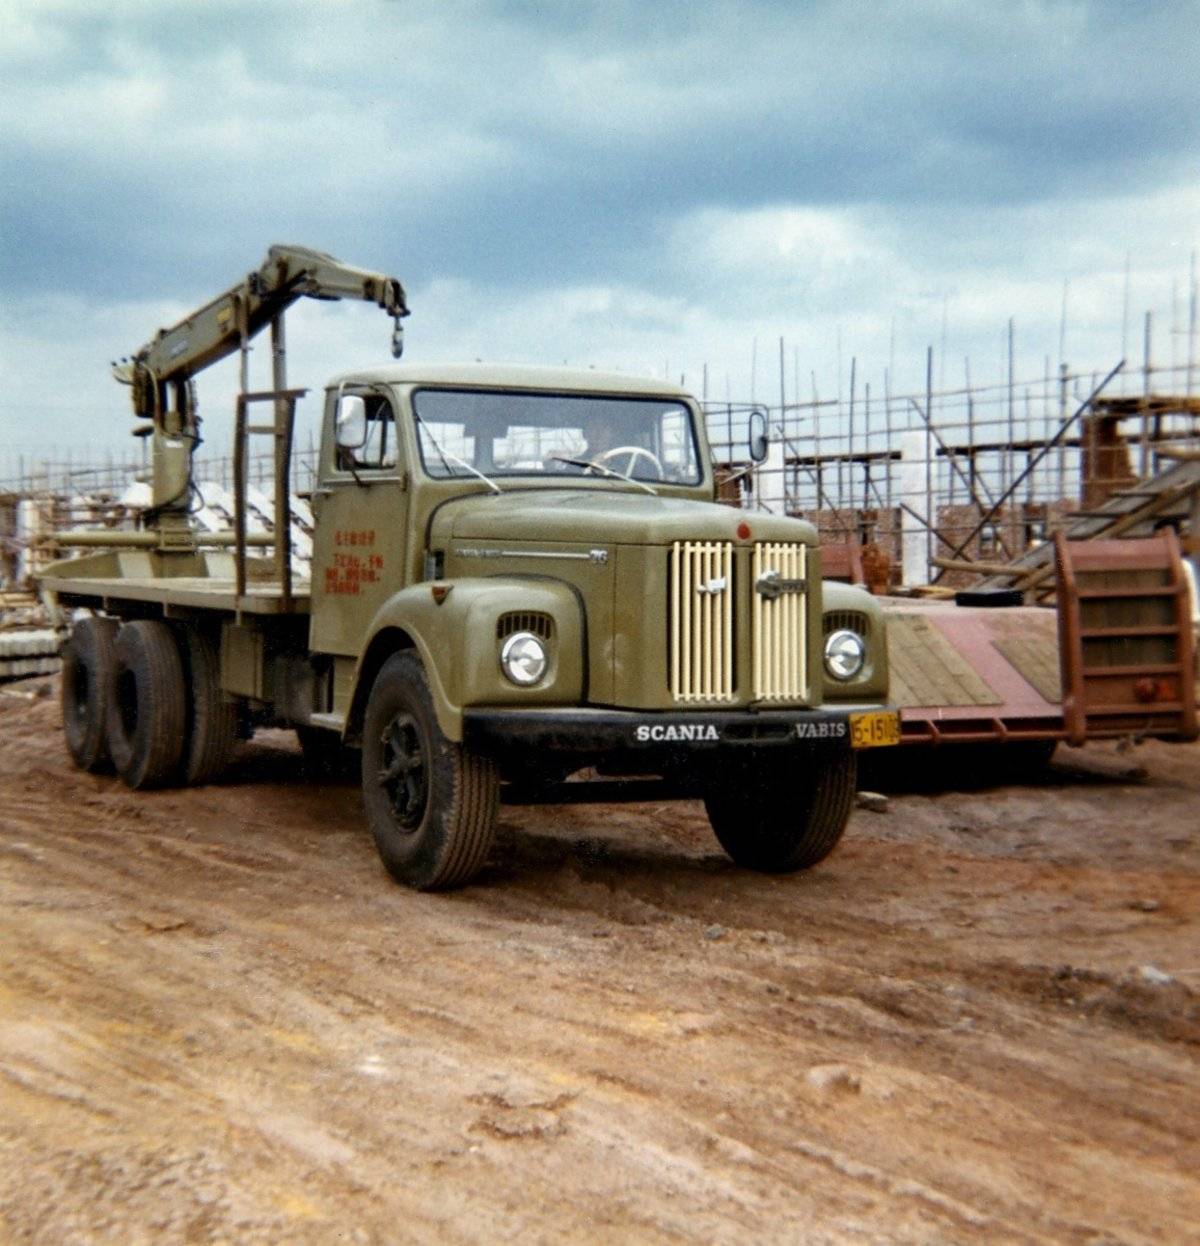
<point x="523" y="658"/>
<point x="845" y="652"/>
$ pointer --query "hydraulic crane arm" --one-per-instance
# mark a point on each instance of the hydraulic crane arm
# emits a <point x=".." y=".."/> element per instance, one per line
<point x="161" y="375"/>
<point x="224" y="325"/>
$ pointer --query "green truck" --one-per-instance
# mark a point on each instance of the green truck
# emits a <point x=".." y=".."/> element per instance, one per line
<point x="520" y="584"/>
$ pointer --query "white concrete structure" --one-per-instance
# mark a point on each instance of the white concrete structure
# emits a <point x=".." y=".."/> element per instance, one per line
<point x="916" y="447"/>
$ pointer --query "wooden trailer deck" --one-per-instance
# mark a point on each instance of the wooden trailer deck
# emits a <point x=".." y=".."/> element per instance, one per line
<point x="973" y="673"/>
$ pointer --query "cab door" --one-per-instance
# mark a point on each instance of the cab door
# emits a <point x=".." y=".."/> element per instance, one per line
<point x="360" y="504"/>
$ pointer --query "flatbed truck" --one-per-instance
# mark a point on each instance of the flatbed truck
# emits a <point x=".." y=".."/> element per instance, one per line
<point x="519" y="575"/>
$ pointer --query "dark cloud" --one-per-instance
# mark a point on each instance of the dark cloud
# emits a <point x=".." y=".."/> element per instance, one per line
<point x="160" y="145"/>
<point x="642" y="186"/>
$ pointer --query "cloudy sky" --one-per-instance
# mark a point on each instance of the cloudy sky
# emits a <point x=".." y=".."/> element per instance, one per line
<point x="651" y="186"/>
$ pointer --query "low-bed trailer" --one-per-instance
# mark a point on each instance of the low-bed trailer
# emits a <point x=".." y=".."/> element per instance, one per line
<point x="1115" y="658"/>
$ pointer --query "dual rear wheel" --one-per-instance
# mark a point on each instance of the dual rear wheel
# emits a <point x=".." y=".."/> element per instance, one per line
<point x="145" y="700"/>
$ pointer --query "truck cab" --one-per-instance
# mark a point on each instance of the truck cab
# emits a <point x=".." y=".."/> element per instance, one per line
<point x="542" y="549"/>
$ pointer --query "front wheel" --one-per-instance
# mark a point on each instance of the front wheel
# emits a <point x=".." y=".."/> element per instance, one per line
<point x="431" y="804"/>
<point x="778" y="818"/>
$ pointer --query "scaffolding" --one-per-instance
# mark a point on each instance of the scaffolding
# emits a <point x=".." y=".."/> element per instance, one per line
<point x="945" y="484"/>
<point x="939" y="486"/>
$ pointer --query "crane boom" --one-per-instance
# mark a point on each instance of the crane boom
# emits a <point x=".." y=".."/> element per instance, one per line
<point x="161" y="375"/>
<point x="226" y="323"/>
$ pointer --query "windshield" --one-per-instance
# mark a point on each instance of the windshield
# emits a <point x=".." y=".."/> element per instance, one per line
<point x="538" y="434"/>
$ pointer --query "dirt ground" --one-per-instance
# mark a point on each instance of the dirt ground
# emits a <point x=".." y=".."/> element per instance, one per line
<point x="220" y="1021"/>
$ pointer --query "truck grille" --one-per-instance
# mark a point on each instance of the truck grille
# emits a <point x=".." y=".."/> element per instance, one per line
<point x="778" y="633"/>
<point x="701" y="626"/>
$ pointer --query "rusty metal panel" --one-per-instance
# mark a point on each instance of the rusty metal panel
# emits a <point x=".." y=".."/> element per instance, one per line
<point x="1125" y="638"/>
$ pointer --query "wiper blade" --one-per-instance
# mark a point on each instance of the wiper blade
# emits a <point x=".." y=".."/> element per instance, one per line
<point x="447" y="458"/>
<point x="604" y="470"/>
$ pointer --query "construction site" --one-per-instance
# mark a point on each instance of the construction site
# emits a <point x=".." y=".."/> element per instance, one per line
<point x="979" y="1019"/>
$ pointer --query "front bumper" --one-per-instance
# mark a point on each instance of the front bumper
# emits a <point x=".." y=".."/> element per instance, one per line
<point x="585" y="731"/>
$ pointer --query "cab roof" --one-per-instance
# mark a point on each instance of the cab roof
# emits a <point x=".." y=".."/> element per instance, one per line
<point x="512" y="376"/>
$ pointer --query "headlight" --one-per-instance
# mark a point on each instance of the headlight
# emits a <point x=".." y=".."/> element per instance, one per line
<point x="845" y="653"/>
<point x="523" y="658"/>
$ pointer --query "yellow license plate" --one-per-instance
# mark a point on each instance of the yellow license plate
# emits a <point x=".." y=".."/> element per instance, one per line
<point x="874" y="729"/>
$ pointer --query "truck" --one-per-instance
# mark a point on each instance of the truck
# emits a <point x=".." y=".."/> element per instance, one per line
<point x="521" y="586"/>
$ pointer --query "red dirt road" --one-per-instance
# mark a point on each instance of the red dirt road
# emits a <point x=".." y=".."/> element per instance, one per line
<point x="220" y="1021"/>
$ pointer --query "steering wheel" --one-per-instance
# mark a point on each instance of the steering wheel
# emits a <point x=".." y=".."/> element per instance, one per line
<point x="635" y="453"/>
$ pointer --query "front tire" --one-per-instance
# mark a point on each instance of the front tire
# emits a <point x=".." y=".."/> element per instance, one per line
<point x="147" y="708"/>
<point x="87" y="677"/>
<point x="779" y="819"/>
<point x="431" y="804"/>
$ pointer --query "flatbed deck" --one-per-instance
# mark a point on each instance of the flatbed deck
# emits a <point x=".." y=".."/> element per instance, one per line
<point x="190" y="592"/>
<point x="201" y="580"/>
<point x="974" y="674"/>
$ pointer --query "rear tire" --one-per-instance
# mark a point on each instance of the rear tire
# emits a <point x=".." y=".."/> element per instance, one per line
<point x="147" y="709"/>
<point x="212" y="727"/>
<point x="87" y="677"/>
<point x="779" y="818"/>
<point x="431" y="804"/>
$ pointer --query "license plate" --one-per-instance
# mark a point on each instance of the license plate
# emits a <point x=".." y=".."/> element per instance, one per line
<point x="874" y="729"/>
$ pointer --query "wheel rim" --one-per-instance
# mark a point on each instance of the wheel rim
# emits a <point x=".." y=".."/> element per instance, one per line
<point x="402" y="775"/>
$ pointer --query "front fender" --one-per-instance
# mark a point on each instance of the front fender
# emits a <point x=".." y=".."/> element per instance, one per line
<point x="458" y="642"/>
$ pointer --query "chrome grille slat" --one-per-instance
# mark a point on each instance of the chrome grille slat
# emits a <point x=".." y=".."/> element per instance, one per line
<point x="778" y="625"/>
<point x="701" y="623"/>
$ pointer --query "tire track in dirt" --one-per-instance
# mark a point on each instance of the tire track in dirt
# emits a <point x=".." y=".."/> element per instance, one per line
<point x="218" y="1019"/>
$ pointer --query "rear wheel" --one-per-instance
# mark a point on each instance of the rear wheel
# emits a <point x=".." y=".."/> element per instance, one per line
<point x="212" y="727"/>
<point x="431" y="804"/>
<point x="778" y="818"/>
<point x="87" y="675"/>
<point x="147" y="715"/>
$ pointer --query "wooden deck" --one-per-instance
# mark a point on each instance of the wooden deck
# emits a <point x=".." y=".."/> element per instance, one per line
<point x="926" y="669"/>
<point x="961" y="672"/>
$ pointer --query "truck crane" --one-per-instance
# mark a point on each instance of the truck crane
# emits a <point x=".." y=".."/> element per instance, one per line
<point x="518" y="574"/>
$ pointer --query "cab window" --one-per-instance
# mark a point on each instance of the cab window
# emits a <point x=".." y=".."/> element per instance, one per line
<point x="377" y="450"/>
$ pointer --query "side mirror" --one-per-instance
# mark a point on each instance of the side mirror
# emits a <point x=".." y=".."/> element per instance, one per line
<point x="350" y="424"/>
<point x="758" y="436"/>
